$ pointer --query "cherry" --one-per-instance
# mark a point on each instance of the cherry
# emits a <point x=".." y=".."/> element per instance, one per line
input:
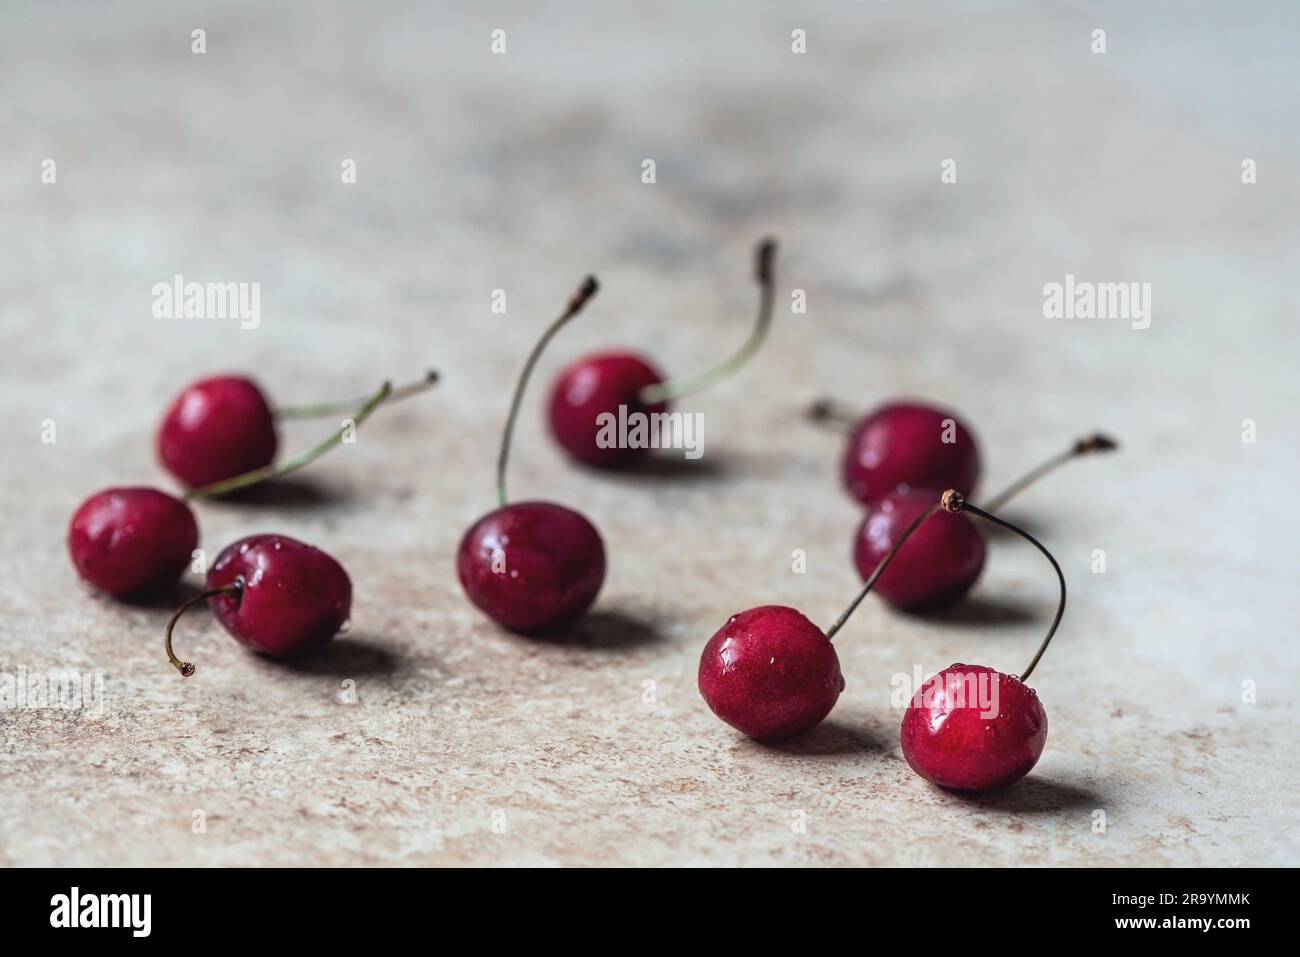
<point x="223" y="426"/>
<point x="600" y="384"/>
<point x="940" y="563"/>
<point x="595" y="385"/>
<point x="131" y="541"/>
<point x="972" y="728"/>
<point x="532" y="566"/>
<point x="275" y="595"/>
<point x="950" y="741"/>
<point x="943" y="559"/>
<point x="903" y="446"/>
<point x="217" y="428"/>
<point x="771" y="673"/>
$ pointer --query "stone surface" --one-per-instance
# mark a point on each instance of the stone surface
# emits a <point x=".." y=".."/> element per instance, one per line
<point x="522" y="172"/>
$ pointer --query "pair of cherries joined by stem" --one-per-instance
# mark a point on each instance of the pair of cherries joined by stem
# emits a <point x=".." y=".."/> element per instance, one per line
<point x="600" y="385"/>
<point x="772" y="674"/>
<point x="131" y="541"/>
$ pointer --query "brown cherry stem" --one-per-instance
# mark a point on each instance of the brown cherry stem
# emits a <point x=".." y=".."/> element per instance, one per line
<point x="267" y="472"/>
<point x="579" y="299"/>
<point x="1093" y="443"/>
<point x="764" y="256"/>
<point x="954" y="501"/>
<point x="1060" y="575"/>
<point x="832" y="414"/>
<point x="184" y="667"/>
<point x="322" y="409"/>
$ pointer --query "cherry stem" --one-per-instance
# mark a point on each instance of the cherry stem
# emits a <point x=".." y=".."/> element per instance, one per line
<point x="184" y="667"/>
<point x="339" y="408"/>
<point x="1060" y="576"/>
<point x="954" y="501"/>
<point x="579" y="299"/>
<point x="884" y="562"/>
<point x="1093" y="443"/>
<point x="267" y="472"/>
<point x="764" y="255"/>
<point x="832" y="414"/>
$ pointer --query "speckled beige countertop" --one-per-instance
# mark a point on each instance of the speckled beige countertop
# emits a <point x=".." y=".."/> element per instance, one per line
<point x="522" y="172"/>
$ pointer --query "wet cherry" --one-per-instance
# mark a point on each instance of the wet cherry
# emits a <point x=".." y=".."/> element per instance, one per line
<point x="532" y="566"/>
<point x="902" y="446"/>
<point x="771" y="673"/>
<point x="975" y="729"/>
<point x="944" y="558"/>
<point x="275" y="595"/>
<point x="128" y="541"/>
<point x="950" y="740"/>
<point x="223" y="426"/>
<point x="132" y="541"/>
<point x="601" y="385"/>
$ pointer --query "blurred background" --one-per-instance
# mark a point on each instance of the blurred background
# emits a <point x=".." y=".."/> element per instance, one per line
<point x="522" y="171"/>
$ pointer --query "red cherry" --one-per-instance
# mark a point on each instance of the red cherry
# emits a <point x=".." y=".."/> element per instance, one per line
<point x="771" y="673"/>
<point x="275" y="595"/>
<point x="532" y="566"/>
<point x="942" y="559"/>
<point x="129" y="541"/>
<point x="588" y="389"/>
<point x="901" y="446"/>
<point x="215" y="429"/>
<point x="973" y="729"/>
<point x="599" y="385"/>
<point x="290" y="598"/>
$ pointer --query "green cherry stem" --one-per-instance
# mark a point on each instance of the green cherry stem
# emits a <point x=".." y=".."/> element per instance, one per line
<point x="323" y="409"/>
<point x="579" y="299"/>
<point x="184" y="667"/>
<point x="764" y="257"/>
<point x="267" y="472"/>
<point x="1093" y="443"/>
